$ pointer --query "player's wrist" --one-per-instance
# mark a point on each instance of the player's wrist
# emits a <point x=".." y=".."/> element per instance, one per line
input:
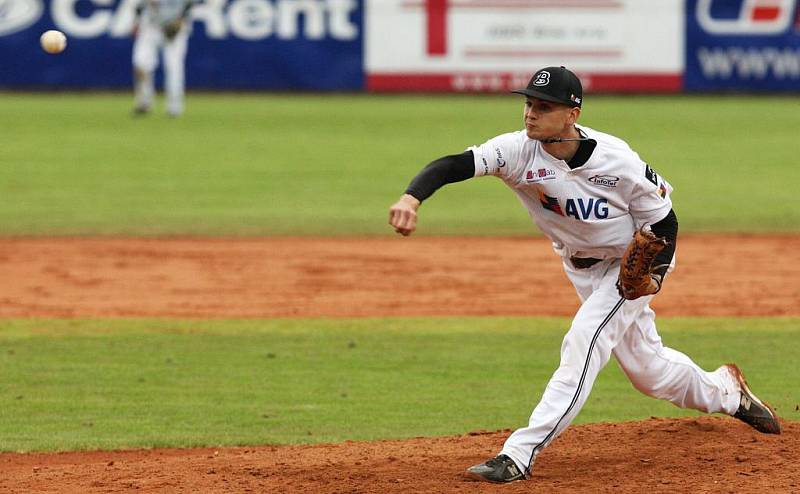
<point x="410" y="200"/>
<point x="658" y="279"/>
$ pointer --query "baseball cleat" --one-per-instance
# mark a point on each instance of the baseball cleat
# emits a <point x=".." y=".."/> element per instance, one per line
<point x="499" y="469"/>
<point x="753" y="411"/>
<point x="140" y="110"/>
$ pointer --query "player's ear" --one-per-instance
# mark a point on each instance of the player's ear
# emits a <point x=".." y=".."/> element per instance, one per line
<point x="574" y="114"/>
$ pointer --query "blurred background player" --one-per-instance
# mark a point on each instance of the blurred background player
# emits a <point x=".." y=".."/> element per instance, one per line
<point x="160" y="25"/>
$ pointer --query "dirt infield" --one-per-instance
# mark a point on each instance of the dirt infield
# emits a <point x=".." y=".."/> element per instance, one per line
<point x="306" y="277"/>
<point x="705" y="455"/>
<point x="284" y="277"/>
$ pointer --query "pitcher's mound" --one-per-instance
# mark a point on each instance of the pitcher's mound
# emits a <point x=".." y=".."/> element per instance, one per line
<point x="707" y="454"/>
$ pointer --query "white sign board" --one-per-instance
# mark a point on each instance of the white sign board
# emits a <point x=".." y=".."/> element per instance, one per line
<point x="494" y="45"/>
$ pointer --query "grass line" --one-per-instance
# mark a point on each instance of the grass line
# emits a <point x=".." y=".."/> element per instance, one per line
<point x="91" y="384"/>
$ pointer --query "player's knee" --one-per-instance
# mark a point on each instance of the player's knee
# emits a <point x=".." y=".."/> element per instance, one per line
<point x="565" y="378"/>
<point x="144" y="61"/>
<point x="574" y="354"/>
<point x="139" y="74"/>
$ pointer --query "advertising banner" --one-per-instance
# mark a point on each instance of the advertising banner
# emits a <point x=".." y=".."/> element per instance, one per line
<point x="751" y="45"/>
<point x="235" y="44"/>
<point x="494" y="45"/>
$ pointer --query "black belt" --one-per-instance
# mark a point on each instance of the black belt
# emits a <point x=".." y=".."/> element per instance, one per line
<point x="583" y="262"/>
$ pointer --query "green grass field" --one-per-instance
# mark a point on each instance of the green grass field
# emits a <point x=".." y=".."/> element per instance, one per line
<point x="79" y="164"/>
<point x="149" y="383"/>
<point x="332" y="164"/>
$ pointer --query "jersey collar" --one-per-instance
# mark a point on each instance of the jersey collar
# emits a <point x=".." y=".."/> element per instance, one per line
<point x="584" y="152"/>
<point x="582" y="155"/>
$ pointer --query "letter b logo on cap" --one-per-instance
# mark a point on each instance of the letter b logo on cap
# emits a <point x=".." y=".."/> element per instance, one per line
<point x="542" y="78"/>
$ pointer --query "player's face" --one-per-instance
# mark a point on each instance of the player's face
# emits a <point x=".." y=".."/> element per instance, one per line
<point x="544" y="119"/>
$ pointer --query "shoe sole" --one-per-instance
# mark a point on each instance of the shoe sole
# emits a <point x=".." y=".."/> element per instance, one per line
<point x="737" y="373"/>
<point x="480" y="478"/>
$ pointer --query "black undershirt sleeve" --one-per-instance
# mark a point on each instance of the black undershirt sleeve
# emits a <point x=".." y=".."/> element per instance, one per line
<point x="667" y="228"/>
<point x="445" y="170"/>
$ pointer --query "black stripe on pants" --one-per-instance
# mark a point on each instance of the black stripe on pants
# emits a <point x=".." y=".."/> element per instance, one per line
<point x="580" y="384"/>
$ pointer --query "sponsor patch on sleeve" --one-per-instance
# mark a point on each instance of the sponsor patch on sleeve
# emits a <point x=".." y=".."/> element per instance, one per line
<point x="651" y="175"/>
<point x="501" y="162"/>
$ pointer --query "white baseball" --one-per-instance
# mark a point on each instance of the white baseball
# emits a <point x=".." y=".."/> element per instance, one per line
<point x="53" y="41"/>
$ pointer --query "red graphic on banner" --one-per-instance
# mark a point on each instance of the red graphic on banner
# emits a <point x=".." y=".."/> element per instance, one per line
<point x="437" y="27"/>
<point x="764" y="13"/>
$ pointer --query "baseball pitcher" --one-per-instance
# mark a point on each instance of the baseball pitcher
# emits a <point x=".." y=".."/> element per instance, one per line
<point x="609" y="216"/>
<point x="161" y="25"/>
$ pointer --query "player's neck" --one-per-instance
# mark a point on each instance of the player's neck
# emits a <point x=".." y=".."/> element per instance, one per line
<point x="564" y="150"/>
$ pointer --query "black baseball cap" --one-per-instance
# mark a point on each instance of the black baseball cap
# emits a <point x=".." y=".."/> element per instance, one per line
<point x="556" y="84"/>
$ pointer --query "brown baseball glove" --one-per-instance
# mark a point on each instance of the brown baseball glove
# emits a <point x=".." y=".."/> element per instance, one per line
<point x="636" y="277"/>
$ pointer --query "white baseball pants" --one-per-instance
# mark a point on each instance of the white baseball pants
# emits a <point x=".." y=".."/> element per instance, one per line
<point x="607" y="323"/>
<point x="145" y="60"/>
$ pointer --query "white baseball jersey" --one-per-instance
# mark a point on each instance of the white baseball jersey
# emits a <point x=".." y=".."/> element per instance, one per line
<point x="589" y="211"/>
<point x="161" y="12"/>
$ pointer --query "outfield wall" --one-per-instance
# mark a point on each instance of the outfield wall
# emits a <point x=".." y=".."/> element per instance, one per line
<point x="422" y="45"/>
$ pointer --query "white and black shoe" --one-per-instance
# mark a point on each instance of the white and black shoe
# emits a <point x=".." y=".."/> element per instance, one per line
<point x="499" y="469"/>
<point x="753" y="411"/>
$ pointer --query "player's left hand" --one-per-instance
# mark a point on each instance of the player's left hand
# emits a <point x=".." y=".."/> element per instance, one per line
<point x="636" y="276"/>
<point x="403" y="215"/>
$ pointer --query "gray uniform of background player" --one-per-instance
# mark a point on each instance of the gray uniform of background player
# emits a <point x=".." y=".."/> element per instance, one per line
<point x="155" y="21"/>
